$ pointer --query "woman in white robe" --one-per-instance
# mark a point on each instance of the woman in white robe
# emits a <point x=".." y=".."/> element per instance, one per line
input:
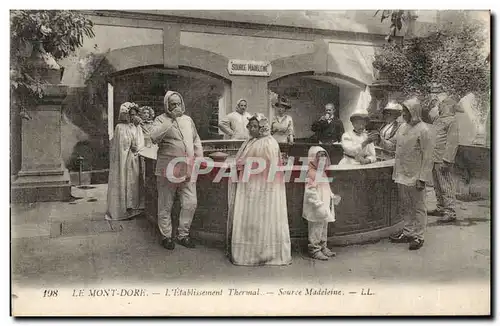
<point x="258" y="232"/>
<point x="357" y="144"/>
<point x="125" y="198"/>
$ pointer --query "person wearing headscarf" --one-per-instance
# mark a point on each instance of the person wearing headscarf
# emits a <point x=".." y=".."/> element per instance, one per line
<point x="318" y="205"/>
<point x="357" y="145"/>
<point x="414" y="145"/>
<point x="393" y="120"/>
<point x="124" y="199"/>
<point x="234" y="125"/>
<point x="258" y="232"/>
<point x="445" y="150"/>
<point x="177" y="138"/>
<point x="282" y="124"/>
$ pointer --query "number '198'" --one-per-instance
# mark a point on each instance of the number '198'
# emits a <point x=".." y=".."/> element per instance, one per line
<point x="49" y="293"/>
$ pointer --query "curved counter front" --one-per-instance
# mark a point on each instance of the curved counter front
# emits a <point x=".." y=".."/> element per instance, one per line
<point x="367" y="211"/>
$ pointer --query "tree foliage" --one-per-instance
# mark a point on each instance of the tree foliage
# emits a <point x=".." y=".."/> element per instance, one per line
<point x="453" y="58"/>
<point x="51" y="33"/>
<point x="398" y="17"/>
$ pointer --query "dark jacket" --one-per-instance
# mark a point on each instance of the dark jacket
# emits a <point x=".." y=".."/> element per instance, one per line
<point x="446" y="129"/>
<point x="328" y="132"/>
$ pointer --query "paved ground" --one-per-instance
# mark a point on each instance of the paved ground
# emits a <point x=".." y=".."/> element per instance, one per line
<point x="64" y="243"/>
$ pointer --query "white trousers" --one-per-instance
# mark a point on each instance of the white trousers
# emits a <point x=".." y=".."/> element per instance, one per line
<point x="166" y="195"/>
<point x="318" y="234"/>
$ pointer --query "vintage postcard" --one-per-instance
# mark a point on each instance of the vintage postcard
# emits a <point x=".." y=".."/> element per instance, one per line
<point x="250" y="162"/>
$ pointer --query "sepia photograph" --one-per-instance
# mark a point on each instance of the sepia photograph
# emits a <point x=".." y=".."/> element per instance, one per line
<point x="250" y="162"/>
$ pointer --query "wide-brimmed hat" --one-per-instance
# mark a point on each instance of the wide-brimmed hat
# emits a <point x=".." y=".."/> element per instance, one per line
<point x="360" y="115"/>
<point x="393" y="106"/>
<point x="283" y="101"/>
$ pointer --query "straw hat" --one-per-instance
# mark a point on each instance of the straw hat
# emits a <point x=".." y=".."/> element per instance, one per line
<point x="393" y="106"/>
<point x="283" y="101"/>
<point x="361" y="114"/>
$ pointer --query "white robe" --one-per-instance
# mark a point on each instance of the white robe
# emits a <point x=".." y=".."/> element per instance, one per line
<point x="258" y="232"/>
<point x="237" y="123"/>
<point x="125" y="196"/>
<point x="352" y="146"/>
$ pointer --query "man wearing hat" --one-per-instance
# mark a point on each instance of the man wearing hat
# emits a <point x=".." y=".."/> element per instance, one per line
<point x="282" y="124"/>
<point x="357" y="145"/>
<point x="328" y="129"/>
<point x="445" y="150"/>
<point x="392" y="116"/>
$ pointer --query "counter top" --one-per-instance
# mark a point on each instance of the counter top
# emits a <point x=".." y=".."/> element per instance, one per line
<point x="151" y="153"/>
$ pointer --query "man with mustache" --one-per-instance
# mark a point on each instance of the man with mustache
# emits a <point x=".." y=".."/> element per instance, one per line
<point x="177" y="138"/>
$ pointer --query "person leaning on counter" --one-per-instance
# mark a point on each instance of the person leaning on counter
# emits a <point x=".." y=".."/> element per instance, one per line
<point x="393" y="120"/>
<point x="282" y="124"/>
<point x="234" y="125"/>
<point x="358" y="144"/>
<point x="328" y="129"/>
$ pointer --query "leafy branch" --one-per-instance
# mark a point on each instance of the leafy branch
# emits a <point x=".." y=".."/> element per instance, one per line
<point x="453" y="57"/>
<point x="398" y="17"/>
<point x="47" y="35"/>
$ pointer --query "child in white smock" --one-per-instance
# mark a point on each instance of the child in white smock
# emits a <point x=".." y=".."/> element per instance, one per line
<point x="318" y="206"/>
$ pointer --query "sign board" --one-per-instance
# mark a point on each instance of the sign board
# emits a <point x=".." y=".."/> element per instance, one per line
<point x="249" y="68"/>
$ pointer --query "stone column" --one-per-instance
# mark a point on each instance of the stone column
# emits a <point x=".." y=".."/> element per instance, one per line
<point x="43" y="175"/>
<point x="111" y="111"/>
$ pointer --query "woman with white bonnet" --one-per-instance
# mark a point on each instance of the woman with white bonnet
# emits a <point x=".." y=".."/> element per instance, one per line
<point x="258" y="232"/>
<point x="124" y="198"/>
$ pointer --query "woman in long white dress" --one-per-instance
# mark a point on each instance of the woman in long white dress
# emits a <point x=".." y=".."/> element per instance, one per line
<point x="125" y="198"/>
<point x="258" y="232"/>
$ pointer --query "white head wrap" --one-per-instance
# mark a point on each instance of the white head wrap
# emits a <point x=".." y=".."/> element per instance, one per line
<point x="125" y="107"/>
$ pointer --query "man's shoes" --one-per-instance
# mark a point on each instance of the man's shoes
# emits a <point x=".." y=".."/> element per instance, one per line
<point x="168" y="243"/>
<point x="447" y="219"/>
<point x="435" y="212"/>
<point x="327" y="252"/>
<point x="416" y="244"/>
<point x="318" y="255"/>
<point x="186" y="242"/>
<point x="400" y="238"/>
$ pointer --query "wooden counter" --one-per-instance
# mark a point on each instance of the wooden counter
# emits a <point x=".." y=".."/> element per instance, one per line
<point x="367" y="211"/>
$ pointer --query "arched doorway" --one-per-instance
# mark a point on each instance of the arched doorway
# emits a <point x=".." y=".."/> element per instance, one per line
<point x="309" y="92"/>
<point x="205" y="94"/>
